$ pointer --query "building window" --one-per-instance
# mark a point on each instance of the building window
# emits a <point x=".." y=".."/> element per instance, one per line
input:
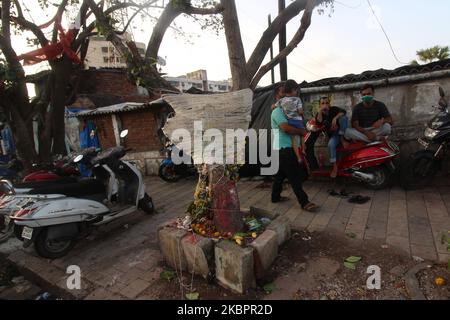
<point x="105" y="59"/>
<point x="222" y="88"/>
<point x="105" y="49"/>
<point x="141" y="51"/>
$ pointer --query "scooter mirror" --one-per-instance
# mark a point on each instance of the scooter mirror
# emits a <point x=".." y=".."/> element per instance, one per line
<point x="124" y="133"/>
<point x="78" y="158"/>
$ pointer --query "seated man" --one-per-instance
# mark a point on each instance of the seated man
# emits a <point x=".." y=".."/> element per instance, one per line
<point x="371" y="119"/>
<point x="336" y="123"/>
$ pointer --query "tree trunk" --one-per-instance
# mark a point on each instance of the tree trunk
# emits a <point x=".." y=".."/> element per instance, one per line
<point x="62" y="71"/>
<point x="236" y="52"/>
<point x="23" y="138"/>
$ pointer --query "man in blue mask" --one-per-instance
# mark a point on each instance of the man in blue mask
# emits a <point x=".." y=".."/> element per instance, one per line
<point x="371" y="119"/>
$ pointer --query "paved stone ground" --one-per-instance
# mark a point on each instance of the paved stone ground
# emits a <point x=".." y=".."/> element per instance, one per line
<point x="122" y="261"/>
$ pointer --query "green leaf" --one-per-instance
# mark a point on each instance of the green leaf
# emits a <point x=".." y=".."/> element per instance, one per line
<point x="353" y="259"/>
<point x="448" y="265"/>
<point x="270" y="287"/>
<point x="167" y="275"/>
<point x="192" y="296"/>
<point x="350" y="265"/>
<point x="351" y="235"/>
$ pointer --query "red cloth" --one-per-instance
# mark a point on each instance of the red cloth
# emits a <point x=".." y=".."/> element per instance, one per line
<point x="53" y="50"/>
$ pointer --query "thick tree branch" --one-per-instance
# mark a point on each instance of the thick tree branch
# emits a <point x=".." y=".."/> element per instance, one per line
<point x="61" y="9"/>
<point x="6" y="23"/>
<point x="169" y="14"/>
<point x="271" y="32"/>
<point x="296" y="39"/>
<point x="20" y="20"/>
<point x="204" y="11"/>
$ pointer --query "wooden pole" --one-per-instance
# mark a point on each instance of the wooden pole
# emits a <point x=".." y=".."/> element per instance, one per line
<point x="272" y="71"/>
<point x="282" y="43"/>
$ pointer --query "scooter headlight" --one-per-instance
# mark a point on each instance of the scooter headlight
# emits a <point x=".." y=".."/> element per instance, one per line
<point x="430" y="133"/>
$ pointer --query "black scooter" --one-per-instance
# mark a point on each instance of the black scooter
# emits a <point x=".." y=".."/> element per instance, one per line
<point x="423" y="165"/>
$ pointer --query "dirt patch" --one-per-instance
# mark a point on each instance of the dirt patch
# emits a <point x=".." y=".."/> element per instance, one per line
<point x="315" y="264"/>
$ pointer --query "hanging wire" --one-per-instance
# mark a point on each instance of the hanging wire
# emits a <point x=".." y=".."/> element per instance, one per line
<point x="348" y="6"/>
<point x="385" y="33"/>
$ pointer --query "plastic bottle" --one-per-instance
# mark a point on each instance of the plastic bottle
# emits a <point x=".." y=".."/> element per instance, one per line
<point x="44" y="296"/>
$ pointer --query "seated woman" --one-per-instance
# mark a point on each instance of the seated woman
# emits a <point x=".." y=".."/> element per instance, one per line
<point x="336" y="122"/>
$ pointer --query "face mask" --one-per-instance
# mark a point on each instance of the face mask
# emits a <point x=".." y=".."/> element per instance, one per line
<point x="367" y="99"/>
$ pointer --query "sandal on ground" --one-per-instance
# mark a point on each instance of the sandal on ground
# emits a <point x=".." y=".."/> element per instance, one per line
<point x="311" y="207"/>
<point x="358" y="199"/>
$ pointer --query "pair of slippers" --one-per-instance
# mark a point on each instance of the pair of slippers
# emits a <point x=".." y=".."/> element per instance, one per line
<point x="358" y="199"/>
<point x="342" y="193"/>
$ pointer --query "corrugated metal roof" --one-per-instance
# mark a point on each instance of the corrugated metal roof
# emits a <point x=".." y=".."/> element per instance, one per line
<point x="117" y="108"/>
<point x="380" y="74"/>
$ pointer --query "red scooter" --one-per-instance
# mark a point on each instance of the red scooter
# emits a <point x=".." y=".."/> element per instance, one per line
<point x="370" y="163"/>
<point x="59" y="168"/>
<point x="61" y="171"/>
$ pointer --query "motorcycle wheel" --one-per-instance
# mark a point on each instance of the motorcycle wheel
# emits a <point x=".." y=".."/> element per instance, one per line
<point x="420" y="170"/>
<point x="382" y="177"/>
<point x="146" y="204"/>
<point x="168" y="173"/>
<point x="51" y="249"/>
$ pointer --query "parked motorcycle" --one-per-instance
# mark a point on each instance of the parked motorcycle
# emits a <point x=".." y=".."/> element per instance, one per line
<point x="372" y="163"/>
<point x="11" y="169"/>
<point x="62" y="170"/>
<point x="171" y="172"/>
<point x="423" y="165"/>
<point x="60" y="167"/>
<point x="53" y="222"/>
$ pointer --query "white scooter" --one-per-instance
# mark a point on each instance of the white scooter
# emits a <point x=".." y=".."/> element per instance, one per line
<point x="53" y="222"/>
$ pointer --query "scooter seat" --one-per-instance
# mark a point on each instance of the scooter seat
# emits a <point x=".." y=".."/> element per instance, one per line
<point x="40" y="184"/>
<point x="351" y="147"/>
<point x="80" y="188"/>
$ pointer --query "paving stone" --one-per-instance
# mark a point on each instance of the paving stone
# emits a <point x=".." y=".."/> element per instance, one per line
<point x="259" y="212"/>
<point x="102" y="294"/>
<point x="425" y="252"/>
<point x="399" y="242"/>
<point x="135" y="288"/>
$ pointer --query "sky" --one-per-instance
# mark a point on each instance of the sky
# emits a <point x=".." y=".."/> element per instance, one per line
<point x="345" y="40"/>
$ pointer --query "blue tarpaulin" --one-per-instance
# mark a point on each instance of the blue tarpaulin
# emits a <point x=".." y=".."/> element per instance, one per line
<point x="88" y="138"/>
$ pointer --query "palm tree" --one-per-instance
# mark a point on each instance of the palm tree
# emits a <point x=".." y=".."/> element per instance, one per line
<point x="435" y="53"/>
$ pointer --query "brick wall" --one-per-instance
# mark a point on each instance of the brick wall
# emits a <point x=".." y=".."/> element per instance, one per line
<point x="142" y="127"/>
<point x="142" y="130"/>
<point x="107" y="82"/>
<point x="105" y="131"/>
